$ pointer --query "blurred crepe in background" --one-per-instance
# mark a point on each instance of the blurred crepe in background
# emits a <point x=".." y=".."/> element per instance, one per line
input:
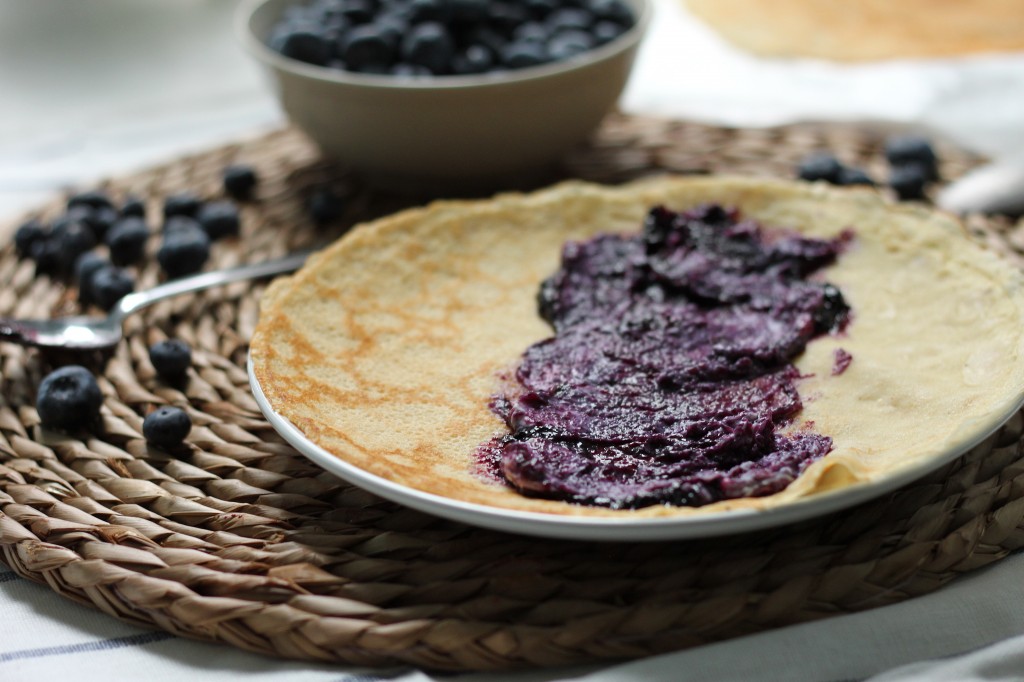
<point x="859" y="30"/>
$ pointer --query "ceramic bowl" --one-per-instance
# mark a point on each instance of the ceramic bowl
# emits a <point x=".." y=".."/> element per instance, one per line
<point x="449" y="132"/>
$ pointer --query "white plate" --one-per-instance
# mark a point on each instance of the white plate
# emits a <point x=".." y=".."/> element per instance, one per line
<point x="607" y="528"/>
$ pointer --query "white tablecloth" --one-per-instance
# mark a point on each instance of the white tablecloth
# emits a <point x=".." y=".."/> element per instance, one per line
<point x="99" y="87"/>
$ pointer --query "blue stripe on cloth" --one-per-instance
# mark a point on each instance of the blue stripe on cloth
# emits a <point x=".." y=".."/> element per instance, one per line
<point x="101" y="645"/>
<point x="8" y="576"/>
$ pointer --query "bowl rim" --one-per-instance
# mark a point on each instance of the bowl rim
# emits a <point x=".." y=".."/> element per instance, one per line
<point x="256" y="47"/>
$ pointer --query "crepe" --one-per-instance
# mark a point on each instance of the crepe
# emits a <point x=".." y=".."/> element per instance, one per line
<point x="866" y="29"/>
<point x="386" y="348"/>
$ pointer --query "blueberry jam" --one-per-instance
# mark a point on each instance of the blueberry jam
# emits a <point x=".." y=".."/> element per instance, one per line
<point x="669" y="378"/>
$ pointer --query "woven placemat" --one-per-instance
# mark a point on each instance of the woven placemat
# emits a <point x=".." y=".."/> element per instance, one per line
<point x="240" y="540"/>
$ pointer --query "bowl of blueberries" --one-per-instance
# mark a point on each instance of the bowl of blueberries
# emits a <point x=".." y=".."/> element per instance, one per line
<point x="446" y="94"/>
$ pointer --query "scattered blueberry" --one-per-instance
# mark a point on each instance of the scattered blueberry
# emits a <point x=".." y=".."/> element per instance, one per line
<point x="134" y="206"/>
<point x="186" y="204"/>
<point x="101" y="220"/>
<point x="126" y="240"/>
<point x="166" y="427"/>
<point x="325" y="205"/>
<point x="28" y="234"/>
<point x="240" y="181"/>
<point x="69" y="398"/>
<point x="184" y="250"/>
<point x="85" y="267"/>
<point x="171" y="358"/>
<point x="820" y="166"/>
<point x="901" y="150"/>
<point x="62" y="247"/>
<point x="108" y="285"/>
<point x="50" y="258"/>
<point x="181" y="222"/>
<point x="854" y="176"/>
<point x="909" y="181"/>
<point x="94" y="199"/>
<point x="219" y="219"/>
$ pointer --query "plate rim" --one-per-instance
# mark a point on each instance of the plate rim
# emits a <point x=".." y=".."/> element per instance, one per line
<point x="615" y="529"/>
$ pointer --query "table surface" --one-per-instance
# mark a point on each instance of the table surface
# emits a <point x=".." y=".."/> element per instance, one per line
<point x="110" y="86"/>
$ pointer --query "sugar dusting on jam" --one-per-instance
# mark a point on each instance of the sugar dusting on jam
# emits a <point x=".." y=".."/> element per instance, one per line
<point x="669" y="379"/>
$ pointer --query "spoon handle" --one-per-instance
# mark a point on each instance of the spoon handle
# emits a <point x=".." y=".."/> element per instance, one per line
<point x="140" y="299"/>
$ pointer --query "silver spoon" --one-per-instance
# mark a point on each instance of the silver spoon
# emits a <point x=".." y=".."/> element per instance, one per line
<point x="98" y="333"/>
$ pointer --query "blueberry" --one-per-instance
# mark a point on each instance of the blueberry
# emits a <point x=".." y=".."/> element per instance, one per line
<point x="421" y="11"/>
<point x="85" y="267"/>
<point x="185" y="203"/>
<point x="127" y="240"/>
<point x="181" y="222"/>
<point x="854" y="176"/>
<point x="50" y="257"/>
<point x="468" y="11"/>
<point x="28" y="234"/>
<point x="517" y="55"/>
<point x="367" y="46"/>
<point x="474" y="59"/>
<point x="505" y="16"/>
<point x="93" y="199"/>
<point x="912" y="149"/>
<point x="219" y="219"/>
<point x="833" y="312"/>
<point x="409" y="71"/>
<point x="108" y="285"/>
<point x="305" y="45"/>
<point x="358" y="11"/>
<point x="820" y="166"/>
<point x="430" y="45"/>
<point x="607" y="31"/>
<point x="184" y="251"/>
<point x="73" y="239"/>
<point x="569" y="18"/>
<point x="909" y="181"/>
<point x="134" y="206"/>
<point x="531" y="31"/>
<point x="171" y="358"/>
<point x="69" y="398"/>
<point x="166" y="427"/>
<point x="610" y="10"/>
<point x="541" y="8"/>
<point x="569" y="43"/>
<point x="76" y="214"/>
<point x="101" y="220"/>
<point x="240" y="181"/>
<point x="392" y="27"/>
<point x="488" y="38"/>
<point x="325" y="205"/>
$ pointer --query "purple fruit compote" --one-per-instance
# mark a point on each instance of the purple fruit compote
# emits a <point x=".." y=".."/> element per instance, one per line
<point x="670" y="378"/>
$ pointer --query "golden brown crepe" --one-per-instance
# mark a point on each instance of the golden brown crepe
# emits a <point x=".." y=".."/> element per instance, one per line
<point x="386" y="347"/>
<point x="866" y="29"/>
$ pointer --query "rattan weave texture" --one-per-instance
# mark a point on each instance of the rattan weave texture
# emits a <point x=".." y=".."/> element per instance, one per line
<point x="238" y="539"/>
